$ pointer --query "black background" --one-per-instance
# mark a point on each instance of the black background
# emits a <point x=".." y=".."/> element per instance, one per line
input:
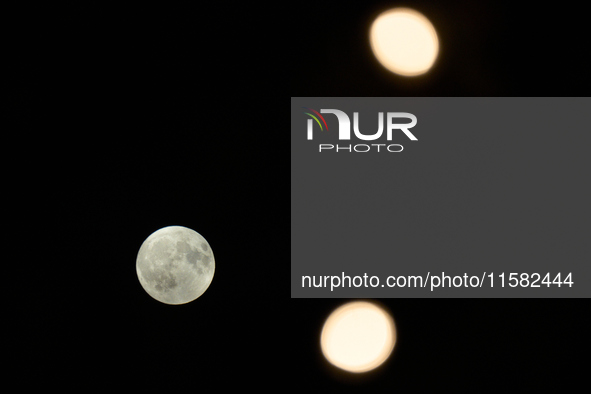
<point x="126" y="120"/>
<point x="487" y="48"/>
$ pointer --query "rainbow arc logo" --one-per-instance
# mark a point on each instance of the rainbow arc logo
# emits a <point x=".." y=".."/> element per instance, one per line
<point x="316" y="119"/>
<point x="387" y="123"/>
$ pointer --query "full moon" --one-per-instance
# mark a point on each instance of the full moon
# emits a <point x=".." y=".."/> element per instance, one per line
<point x="175" y="265"/>
<point x="358" y="336"/>
<point x="404" y="41"/>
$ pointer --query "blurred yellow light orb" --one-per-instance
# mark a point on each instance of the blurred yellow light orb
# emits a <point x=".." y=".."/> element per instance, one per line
<point x="358" y="336"/>
<point x="404" y="41"/>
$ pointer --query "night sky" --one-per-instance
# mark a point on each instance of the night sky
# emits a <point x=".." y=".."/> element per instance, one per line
<point x="487" y="48"/>
<point x="129" y="120"/>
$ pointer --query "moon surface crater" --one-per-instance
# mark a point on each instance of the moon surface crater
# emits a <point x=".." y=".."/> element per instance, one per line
<point x="175" y="265"/>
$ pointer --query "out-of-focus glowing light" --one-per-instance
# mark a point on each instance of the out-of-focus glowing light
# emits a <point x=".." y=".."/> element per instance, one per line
<point x="358" y="336"/>
<point x="404" y="41"/>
